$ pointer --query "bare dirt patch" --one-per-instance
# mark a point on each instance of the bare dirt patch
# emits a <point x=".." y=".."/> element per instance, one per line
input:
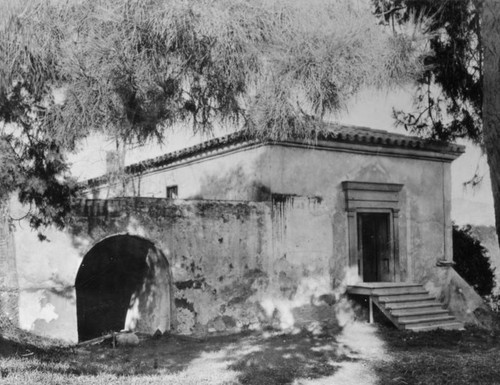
<point x="302" y="357"/>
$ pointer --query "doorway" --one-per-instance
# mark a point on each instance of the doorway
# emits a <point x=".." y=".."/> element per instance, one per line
<point x="375" y="249"/>
<point x="123" y="283"/>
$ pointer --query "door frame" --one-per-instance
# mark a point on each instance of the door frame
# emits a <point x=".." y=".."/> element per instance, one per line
<point x="367" y="197"/>
<point x="391" y="238"/>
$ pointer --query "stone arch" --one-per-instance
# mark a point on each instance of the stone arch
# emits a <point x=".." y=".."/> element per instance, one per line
<point x="124" y="282"/>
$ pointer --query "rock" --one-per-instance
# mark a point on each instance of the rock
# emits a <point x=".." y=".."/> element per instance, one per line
<point x="157" y="333"/>
<point x="217" y="323"/>
<point x="315" y="328"/>
<point x="329" y="299"/>
<point x="127" y="339"/>
<point x="229" y="321"/>
<point x="486" y="319"/>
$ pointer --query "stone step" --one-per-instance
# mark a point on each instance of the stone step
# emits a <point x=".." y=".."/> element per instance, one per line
<point x="369" y="288"/>
<point x="409" y="306"/>
<point x="418" y="311"/>
<point x="444" y="325"/>
<point x="424" y="318"/>
<point x="405" y="298"/>
<point x="413" y="305"/>
<point x="375" y="285"/>
<point x="398" y="290"/>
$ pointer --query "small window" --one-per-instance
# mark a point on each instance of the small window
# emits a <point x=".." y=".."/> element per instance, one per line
<point x="172" y="192"/>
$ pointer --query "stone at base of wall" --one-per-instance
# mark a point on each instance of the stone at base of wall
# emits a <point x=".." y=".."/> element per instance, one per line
<point x="317" y="317"/>
<point x="486" y="318"/>
<point x="459" y="297"/>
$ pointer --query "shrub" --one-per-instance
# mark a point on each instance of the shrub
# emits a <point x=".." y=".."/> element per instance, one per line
<point x="493" y="302"/>
<point x="472" y="260"/>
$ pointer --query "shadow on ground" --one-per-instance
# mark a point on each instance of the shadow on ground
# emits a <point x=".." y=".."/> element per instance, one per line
<point x="281" y="359"/>
<point x="251" y="358"/>
<point x="356" y="354"/>
<point x="257" y="358"/>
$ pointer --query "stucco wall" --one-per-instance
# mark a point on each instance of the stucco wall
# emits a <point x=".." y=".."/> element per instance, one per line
<point x="234" y="265"/>
<point x="256" y="173"/>
<point x="47" y="272"/>
<point x="425" y="227"/>
<point x="230" y="175"/>
<point x="237" y="264"/>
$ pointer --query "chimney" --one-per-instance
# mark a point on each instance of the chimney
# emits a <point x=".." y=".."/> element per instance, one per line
<point x="114" y="162"/>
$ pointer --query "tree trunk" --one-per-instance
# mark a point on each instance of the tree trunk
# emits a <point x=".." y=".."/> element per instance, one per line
<point x="490" y="36"/>
<point x="9" y="286"/>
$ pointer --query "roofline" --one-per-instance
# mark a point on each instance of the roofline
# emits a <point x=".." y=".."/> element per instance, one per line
<point x="363" y="141"/>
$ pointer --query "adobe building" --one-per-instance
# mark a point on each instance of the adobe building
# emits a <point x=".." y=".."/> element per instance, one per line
<point x="239" y="233"/>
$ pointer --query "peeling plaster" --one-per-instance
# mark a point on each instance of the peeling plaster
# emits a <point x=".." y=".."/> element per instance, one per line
<point x="34" y="307"/>
<point x="241" y="264"/>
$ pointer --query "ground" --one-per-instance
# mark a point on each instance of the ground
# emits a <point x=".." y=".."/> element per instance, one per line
<point x="441" y="357"/>
<point x="356" y="354"/>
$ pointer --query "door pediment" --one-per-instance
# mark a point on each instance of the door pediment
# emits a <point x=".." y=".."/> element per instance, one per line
<point x="368" y="195"/>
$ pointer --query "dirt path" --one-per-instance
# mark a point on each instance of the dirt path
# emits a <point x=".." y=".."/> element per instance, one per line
<point x="362" y="346"/>
<point x="337" y="356"/>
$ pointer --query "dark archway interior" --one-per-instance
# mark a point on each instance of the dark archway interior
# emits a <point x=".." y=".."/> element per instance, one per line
<point x="108" y="276"/>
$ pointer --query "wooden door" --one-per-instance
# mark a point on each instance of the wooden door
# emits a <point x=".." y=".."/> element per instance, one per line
<point x="374" y="247"/>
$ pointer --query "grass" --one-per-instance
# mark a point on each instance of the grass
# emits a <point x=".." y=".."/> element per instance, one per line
<point x="265" y="358"/>
<point x="441" y="357"/>
<point x="437" y="357"/>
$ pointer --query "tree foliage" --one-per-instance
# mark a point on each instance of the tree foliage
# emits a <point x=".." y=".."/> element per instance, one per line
<point x="459" y="93"/>
<point x="472" y="260"/>
<point x="448" y="99"/>
<point x="133" y="68"/>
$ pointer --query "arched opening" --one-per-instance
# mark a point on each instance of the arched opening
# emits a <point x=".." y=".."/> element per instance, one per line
<point x="123" y="282"/>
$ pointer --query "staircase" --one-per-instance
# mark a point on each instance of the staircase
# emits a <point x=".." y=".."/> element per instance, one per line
<point x="407" y="305"/>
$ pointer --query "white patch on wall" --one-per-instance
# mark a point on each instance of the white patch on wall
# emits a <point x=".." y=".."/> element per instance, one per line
<point x="32" y="307"/>
<point x="135" y="228"/>
<point x="309" y="292"/>
<point x="39" y="262"/>
<point x="133" y="315"/>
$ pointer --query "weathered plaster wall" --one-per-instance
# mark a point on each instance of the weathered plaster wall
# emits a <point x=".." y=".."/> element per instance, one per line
<point x="232" y="175"/>
<point x="234" y="265"/>
<point x="256" y="173"/>
<point x="47" y="271"/>
<point x="226" y="275"/>
<point x="280" y="260"/>
<point x="301" y="263"/>
<point x="425" y="224"/>
<point x="425" y="228"/>
<point x="458" y="296"/>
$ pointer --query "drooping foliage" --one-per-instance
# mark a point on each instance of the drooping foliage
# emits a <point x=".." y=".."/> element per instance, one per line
<point x="459" y="93"/>
<point x="472" y="260"/>
<point x="448" y="99"/>
<point x="131" y="69"/>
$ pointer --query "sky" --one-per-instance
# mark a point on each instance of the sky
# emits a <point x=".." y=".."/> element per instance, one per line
<point x="369" y="108"/>
<point x="469" y="205"/>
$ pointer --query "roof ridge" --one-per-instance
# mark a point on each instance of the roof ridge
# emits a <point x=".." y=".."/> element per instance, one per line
<point x="338" y="132"/>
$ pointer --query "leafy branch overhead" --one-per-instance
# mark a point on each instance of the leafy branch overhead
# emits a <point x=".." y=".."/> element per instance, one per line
<point x="449" y="97"/>
<point x="131" y="69"/>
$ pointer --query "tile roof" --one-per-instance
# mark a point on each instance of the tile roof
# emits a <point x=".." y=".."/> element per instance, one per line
<point x="336" y="133"/>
